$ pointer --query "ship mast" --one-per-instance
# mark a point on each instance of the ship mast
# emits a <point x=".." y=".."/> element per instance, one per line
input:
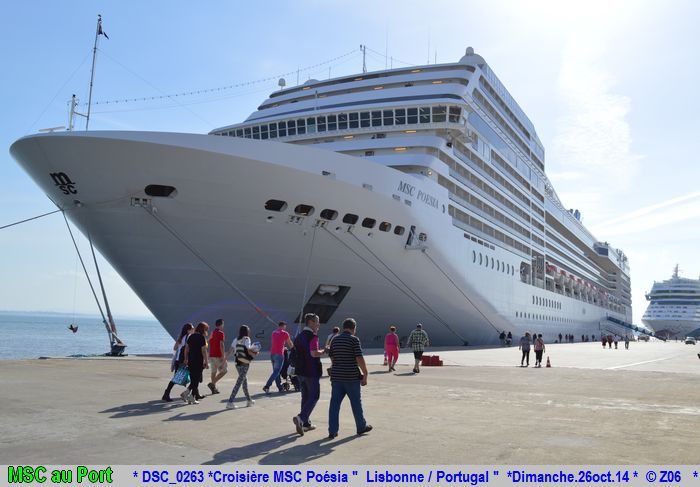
<point x="675" y="272"/>
<point x="98" y="31"/>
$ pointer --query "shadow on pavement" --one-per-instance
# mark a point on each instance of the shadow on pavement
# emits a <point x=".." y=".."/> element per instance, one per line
<point x="143" y="408"/>
<point x="240" y="453"/>
<point x="300" y="454"/>
<point x="275" y="453"/>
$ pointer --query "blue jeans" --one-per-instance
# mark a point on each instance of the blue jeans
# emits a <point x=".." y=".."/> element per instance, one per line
<point x="338" y="392"/>
<point x="277" y="363"/>
<point x="310" y="392"/>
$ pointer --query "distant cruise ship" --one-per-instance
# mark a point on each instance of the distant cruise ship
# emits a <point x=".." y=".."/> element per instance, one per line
<point x="674" y="306"/>
<point x="396" y="197"/>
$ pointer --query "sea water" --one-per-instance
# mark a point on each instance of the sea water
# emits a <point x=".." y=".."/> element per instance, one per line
<point x="32" y="335"/>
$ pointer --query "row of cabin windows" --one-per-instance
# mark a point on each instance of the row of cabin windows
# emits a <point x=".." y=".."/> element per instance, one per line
<point x="352" y="120"/>
<point x="487" y="229"/>
<point x="330" y="215"/>
<point x="533" y="316"/>
<point x="481" y="100"/>
<point x="494" y="263"/>
<point x="550" y="303"/>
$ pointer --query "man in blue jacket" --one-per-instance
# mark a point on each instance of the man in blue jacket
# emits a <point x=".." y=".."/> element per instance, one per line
<point x="308" y="370"/>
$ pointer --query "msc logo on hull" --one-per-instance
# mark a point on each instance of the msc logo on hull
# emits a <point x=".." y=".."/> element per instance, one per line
<point x="64" y="183"/>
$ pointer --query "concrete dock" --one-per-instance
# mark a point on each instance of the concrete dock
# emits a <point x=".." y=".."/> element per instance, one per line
<point x="594" y="406"/>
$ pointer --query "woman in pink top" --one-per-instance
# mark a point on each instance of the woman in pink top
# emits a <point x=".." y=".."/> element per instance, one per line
<point x="391" y="347"/>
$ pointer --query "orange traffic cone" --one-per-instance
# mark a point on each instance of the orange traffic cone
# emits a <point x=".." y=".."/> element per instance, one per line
<point x="548" y="364"/>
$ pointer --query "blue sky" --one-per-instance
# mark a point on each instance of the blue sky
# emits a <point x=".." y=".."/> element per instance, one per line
<point x="610" y="86"/>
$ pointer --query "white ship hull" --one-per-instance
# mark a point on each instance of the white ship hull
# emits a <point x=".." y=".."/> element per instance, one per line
<point x="217" y="219"/>
<point x="672" y="328"/>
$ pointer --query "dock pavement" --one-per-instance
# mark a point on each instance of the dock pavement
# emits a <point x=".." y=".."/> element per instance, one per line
<point x="593" y="406"/>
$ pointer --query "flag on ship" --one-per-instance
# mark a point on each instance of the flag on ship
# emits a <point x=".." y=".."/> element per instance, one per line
<point x="100" y="32"/>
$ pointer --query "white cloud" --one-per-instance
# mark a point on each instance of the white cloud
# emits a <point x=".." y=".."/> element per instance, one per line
<point x="592" y="150"/>
<point x="670" y="212"/>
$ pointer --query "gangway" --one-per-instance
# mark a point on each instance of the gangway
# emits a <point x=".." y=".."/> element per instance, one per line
<point x="628" y="327"/>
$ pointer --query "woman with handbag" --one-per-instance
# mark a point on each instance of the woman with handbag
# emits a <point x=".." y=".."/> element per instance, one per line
<point x="196" y="360"/>
<point x="177" y="365"/>
<point x="245" y="353"/>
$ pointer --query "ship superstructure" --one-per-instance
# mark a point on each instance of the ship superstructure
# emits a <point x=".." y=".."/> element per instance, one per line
<point x="674" y="306"/>
<point x="398" y="196"/>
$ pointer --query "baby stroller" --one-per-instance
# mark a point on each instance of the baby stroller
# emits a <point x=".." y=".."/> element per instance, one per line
<point x="289" y="380"/>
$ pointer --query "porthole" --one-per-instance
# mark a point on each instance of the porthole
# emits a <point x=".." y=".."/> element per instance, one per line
<point x="474" y="256"/>
<point x="160" y="190"/>
<point x="422" y="237"/>
<point x="486" y="258"/>
<point x="369" y="222"/>
<point x="481" y="258"/>
<point x="498" y="265"/>
<point x="304" y="210"/>
<point x="399" y="230"/>
<point x="275" y="205"/>
<point x="385" y="226"/>
<point x="493" y="263"/>
<point x="350" y="218"/>
<point x="329" y="214"/>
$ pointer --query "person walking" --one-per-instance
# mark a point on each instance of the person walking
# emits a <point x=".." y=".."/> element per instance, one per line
<point x="603" y="340"/>
<point x="391" y="348"/>
<point x="616" y="339"/>
<point x="196" y="360"/>
<point x="509" y="339"/>
<point x="539" y="350"/>
<point x="610" y="340"/>
<point x="329" y="339"/>
<point x="524" y="346"/>
<point x="245" y="353"/>
<point x="502" y="337"/>
<point x="307" y="366"/>
<point x="217" y="356"/>
<point x="178" y="358"/>
<point x="418" y="340"/>
<point x="280" y="338"/>
<point x="331" y="336"/>
<point x="627" y="342"/>
<point x="347" y="379"/>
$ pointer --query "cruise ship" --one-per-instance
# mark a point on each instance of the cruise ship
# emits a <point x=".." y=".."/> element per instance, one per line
<point x="674" y="306"/>
<point x="395" y="197"/>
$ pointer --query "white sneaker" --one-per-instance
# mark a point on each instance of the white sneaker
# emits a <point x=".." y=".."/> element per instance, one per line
<point x="230" y="405"/>
<point x="194" y="401"/>
<point x="250" y="402"/>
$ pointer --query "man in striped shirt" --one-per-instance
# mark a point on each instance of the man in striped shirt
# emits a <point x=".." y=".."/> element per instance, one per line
<point x="418" y="340"/>
<point x="347" y="378"/>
